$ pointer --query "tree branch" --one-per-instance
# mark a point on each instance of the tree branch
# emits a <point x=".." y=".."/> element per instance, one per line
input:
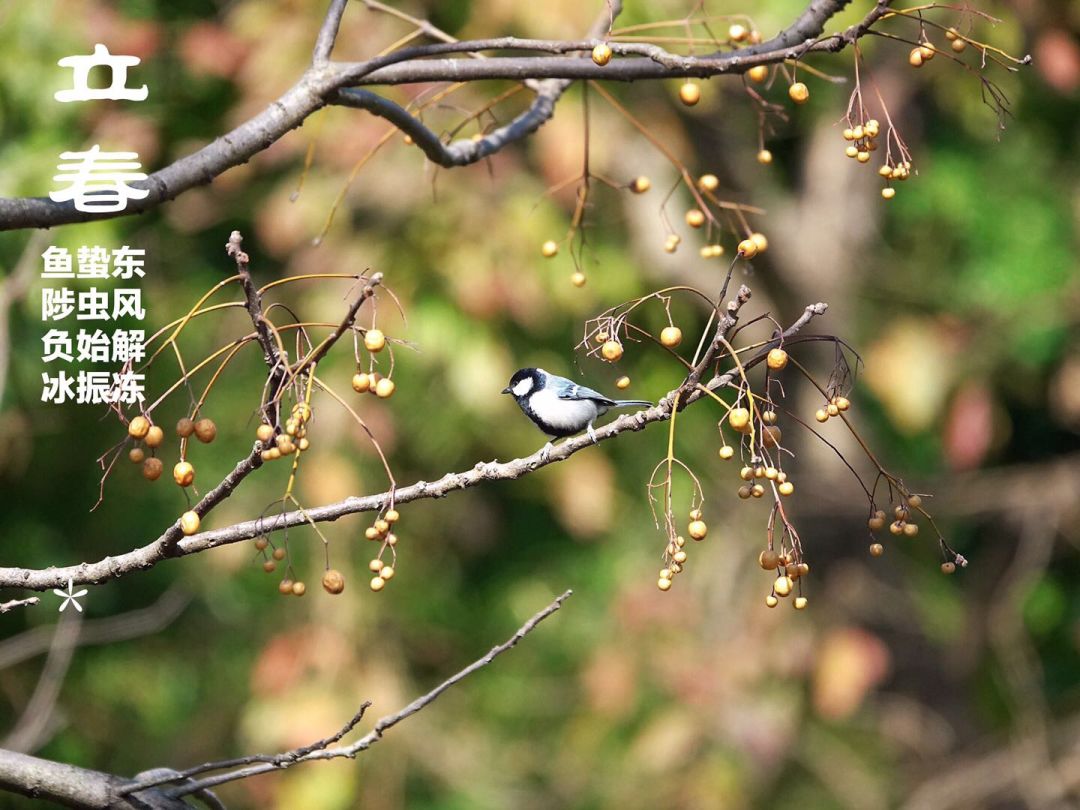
<point x="173" y="544"/>
<point x="322" y="751"/>
<point x="324" y="82"/>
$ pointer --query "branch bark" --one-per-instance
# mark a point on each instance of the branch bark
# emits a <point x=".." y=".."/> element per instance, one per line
<point x="325" y="82"/>
<point x="173" y="544"/>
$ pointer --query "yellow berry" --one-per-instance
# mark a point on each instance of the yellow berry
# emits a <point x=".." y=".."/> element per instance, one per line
<point x="831" y="409"/>
<point x="577" y="279"/>
<point x="776" y="359"/>
<point x="888" y="193"/>
<point x="671" y="336"/>
<point x="760" y="242"/>
<point x="374" y="340"/>
<point x="771" y="601"/>
<point x="690" y="94"/>
<point x="708" y="182"/>
<point x="299" y="588"/>
<point x="138" y="427"/>
<point x="154" y="436"/>
<point x="783" y="586"/>
<point x="843" y="403"/>
<point x="799" y="93"/>
<point x="951" y="34"/>
<point x="601" y="54"/>
<point x="747" y="248"/>
<point x="384" y="388"/>
<point x="622" y="383"/>
<point x="758" y="73"/>
<point x="695" y="218"/>
<point x="911" y="529"/>
<point x="697" y="529"/>
<point x="549" y="248"/>
<point x="136" y="455"/>
<point x="333" y="581"/>
<point x="800" y="602"/>
<point x="786" y="488"/>
<point x="948" y="568"/>
<point x="640" y="184"/>
<point x="361" y="384"/>
<point x="915" y="58"/>
<point x="852" y="151"/>
<point x="927" y="52"/>
<point x="375" y="566"/>
<point x="183" y="474"/>
<point x="757" y="490"/>
<point x="663" y="584"/>
<point x="737" y="32"/>
<point x="739" y="418"/>
<point x="769" y="560"/>
<point x="264" y="433"/>
<point x="876" y="549"/>
<point x="764" y="157"/>
<point x="392" y="516"/>
<point x="377" y="584"/>
<point x="821" y="415"/>
<point x="386" y="572"/>
<point x="727" y="451"/>
<point x="611" y="351"/>
<point x="958" y="45"/>
<point x="189" y="523"/>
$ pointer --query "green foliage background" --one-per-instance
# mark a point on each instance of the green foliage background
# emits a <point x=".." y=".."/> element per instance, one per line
<point x="961" y="294"/>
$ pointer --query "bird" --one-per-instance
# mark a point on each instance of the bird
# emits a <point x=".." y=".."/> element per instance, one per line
<point x="560" y="407"/>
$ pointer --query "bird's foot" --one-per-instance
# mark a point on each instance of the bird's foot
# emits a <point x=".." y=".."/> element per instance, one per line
<point x="592" y="434"/>
<point x="545" y="452"/>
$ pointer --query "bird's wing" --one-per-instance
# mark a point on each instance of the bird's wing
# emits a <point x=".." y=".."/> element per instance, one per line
<point x="575" y="391"/>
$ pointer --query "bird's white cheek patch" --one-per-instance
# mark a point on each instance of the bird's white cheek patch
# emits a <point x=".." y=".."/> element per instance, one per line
<point x="523" y="387"/>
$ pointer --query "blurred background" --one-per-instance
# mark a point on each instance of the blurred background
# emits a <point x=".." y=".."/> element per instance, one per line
<point x="897" y="687"/>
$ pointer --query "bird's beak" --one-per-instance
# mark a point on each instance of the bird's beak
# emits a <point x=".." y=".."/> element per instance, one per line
<point x="506" y="390"/>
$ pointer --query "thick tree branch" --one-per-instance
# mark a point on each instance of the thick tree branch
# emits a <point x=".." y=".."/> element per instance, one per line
<point x="70" y="786"/>
<point x="83" y="788"/>
<point x="324" y="82"/>
<point x="172" y="543"/>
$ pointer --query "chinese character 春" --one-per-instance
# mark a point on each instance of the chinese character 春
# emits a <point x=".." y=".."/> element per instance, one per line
<point x="117" y="90"/>
<point x="99" y="180"/>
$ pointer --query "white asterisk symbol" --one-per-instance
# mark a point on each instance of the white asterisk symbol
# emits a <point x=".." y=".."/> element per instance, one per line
<point x="70" y="596"/>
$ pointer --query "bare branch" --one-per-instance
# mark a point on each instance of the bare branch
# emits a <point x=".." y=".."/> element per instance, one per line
<point x="324" y="43"/>
<point x="322" y="751"/>
<point x="323" y="82"/>
<point x="173" y="544"/>
<point x="12" y="604"/>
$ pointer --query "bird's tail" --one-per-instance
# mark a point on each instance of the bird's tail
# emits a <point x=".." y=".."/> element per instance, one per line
<point x="632" y="403"/>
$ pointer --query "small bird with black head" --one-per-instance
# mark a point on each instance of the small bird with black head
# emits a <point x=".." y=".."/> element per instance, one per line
<point x="560" y="407"/>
